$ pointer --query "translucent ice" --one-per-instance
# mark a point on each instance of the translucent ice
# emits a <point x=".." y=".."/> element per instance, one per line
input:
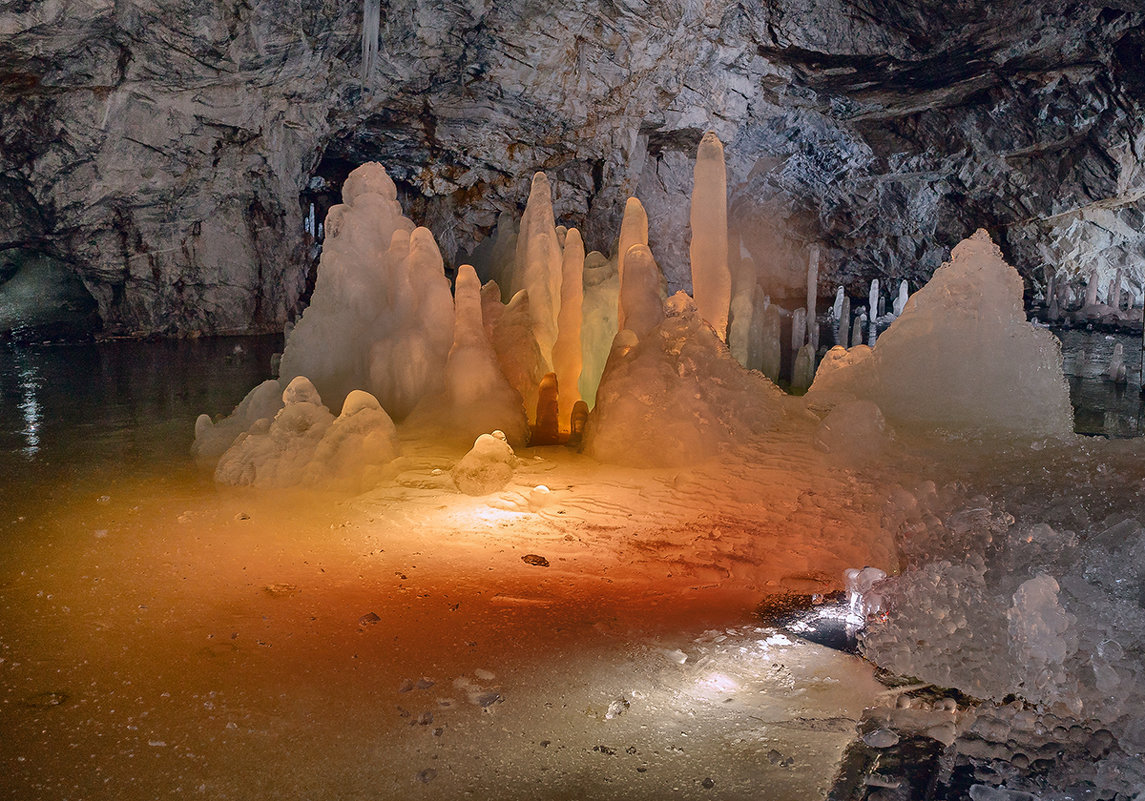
<point x="487" y="467"/>
<point x="567" y="352"/>
<point x="677" y="396"/>
<point x="640" y="305"/>
<point x="962" y="355"/>
<point x="538" y="265"/>
<point x="711" y="279"/>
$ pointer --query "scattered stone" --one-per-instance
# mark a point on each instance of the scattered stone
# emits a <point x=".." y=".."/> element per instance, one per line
<point x="281" y="590"/>
<point x="242" y="516"/>
<point x="535" y="559"/>
<point x="427" y="775"/>
<point x="369" y="619"/>
<point x="617" y="708"/>
<point x="604" y="749"/>
<point x="708" y="783"/>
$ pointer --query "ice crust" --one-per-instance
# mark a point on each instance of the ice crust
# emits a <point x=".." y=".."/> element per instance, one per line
<point x="961" y="355"/>
<point x="487" y="467"/>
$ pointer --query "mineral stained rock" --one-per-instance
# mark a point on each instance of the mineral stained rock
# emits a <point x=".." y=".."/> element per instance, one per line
<point x="167" y="152"/>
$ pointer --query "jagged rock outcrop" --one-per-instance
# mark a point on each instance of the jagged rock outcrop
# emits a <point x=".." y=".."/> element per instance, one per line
<point x="168" y="151"/>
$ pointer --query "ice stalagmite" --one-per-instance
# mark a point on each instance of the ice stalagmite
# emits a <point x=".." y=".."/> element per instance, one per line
<point x="739" y="327"/>
<point x="408" y="364"/>
<point x="633" y="231"/>
<point x="812" y="297"/>
<point x="517" y="350"/>
<point x="711" y="279"/>
<point x="640" y="292"/>
<point x="538" y="264"/>
<point x="962" y="355"/>
<point x="771" y="356"/>
<point x="599" y="326"/>
<point x="477" y="397"/>
<point x="873" y="313"/>
<point x="567" y="357"/>
<point x="903" y="297"/>
<point x="843" y="330"/>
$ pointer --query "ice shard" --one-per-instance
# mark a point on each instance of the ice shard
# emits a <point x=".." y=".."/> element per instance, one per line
<point x="711" y="279"/>
<point x="633" y="231"/>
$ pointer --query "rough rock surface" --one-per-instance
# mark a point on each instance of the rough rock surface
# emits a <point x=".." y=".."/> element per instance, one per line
<point x="167" y="151"/>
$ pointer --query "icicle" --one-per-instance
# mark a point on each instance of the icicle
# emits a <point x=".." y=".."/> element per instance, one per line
<point x="371" y="25"/>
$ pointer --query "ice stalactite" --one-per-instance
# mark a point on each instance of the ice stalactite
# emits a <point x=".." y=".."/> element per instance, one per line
<point x="538" y="264"/>
<point x="640" y="301"/>
<point x="371" y="26"/>
<point x="711" y="278"/>
<point x="633" y="231"/>
<point x="567" y="352"/>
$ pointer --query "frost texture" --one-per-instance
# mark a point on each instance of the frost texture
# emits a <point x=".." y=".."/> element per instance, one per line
<point x="962" y="355"/>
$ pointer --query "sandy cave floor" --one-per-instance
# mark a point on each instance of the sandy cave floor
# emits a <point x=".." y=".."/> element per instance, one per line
<point x="165" y="636"/>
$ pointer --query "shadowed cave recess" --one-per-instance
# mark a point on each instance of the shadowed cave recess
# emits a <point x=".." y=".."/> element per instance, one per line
<point x="631" y="354"/>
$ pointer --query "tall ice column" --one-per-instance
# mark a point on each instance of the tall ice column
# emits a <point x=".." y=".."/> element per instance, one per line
<point x="711" y="278"/>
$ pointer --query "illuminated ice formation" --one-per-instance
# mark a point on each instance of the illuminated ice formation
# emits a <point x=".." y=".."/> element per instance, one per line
<point x="600" y="320"/>
<point x="538" y="265"/>
<point x="771" y="354"/>
<point x="305" y="444"/>
<point x="487" y="467"/>
<point x="676" y="396"/>
<point x="902" y="298"/>
<point x="854" y="432"/>
<point x="476" y="397"/>
<point x="567" y="354"/>
<point x="961" y="355"/>
<point x="213" y="438"/>
<point x="711" y="279"/>
<point x="517" y="350"/>
<point x="381" y="302"/>
<point x="633" y="231"/>
<point x="803" y="371"/>
<point x="640" y="304"/>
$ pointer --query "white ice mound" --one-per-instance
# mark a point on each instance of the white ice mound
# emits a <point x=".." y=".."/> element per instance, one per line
<point x="676" y="396"/>
<point x="305" y="445"/>
<point x="961" y="355"/>
<point x="276" y="453"/>
<point x="487" y="467"/>
<point x="381" y="316"/>
<point x="213" y="438"/>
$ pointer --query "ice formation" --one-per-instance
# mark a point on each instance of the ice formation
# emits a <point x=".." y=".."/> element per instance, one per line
<point x="676" y="396"/>
<point x="304" y="443"/>
<point x="476" y="397"/>
<point x="812" y="296"/>
<point x="962" y="355"/>
<point x="711" y="278"/>
<point x="487" y="467"/>
<point x="633" y="231"/>
<point x="538" y="265"/>
<point x="567" y="353"/>
<point x="640" y="305"/>
<point x="381" y="302"/>
<point x="600" y="320"/>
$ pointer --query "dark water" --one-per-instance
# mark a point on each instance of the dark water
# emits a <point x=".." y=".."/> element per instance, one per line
<point x="1101" y="406"/>
<point x="70" y="414"/>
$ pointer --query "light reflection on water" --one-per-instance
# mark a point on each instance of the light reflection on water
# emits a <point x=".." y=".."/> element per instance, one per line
<point x="29" y="385"/>
<point x="71" y="415"/>
<point x="1100" y="405"/>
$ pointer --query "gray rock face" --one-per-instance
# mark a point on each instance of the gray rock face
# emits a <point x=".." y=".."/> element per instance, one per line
<point x="165" y="150"/>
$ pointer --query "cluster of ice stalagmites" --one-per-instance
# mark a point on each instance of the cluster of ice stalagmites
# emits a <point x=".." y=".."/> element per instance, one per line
<point x="961" y="355"/>
<point x="305" y="444"/>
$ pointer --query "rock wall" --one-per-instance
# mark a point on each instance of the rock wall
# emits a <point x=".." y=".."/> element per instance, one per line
<point x="165" y="150"/>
